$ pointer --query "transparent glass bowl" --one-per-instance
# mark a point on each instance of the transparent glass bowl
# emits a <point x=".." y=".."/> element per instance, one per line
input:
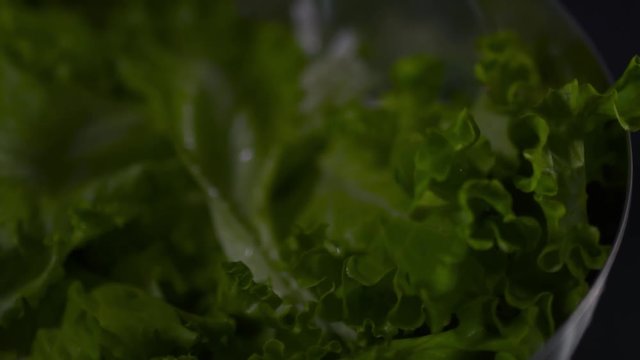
<point x="448" y="29"/>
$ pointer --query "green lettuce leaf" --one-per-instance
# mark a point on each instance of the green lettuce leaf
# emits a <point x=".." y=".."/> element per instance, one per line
<point x="177" y="183"/>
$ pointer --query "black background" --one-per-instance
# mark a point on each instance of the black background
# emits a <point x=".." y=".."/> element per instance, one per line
<point x="614" y="28"/>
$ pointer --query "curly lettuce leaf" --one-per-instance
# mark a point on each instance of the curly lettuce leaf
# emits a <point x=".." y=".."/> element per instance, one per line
<point x="170" y="193"/>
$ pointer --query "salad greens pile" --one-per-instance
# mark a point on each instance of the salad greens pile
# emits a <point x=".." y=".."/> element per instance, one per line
<point x="171" y="189"/>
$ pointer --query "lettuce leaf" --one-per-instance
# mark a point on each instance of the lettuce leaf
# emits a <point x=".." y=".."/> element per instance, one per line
<point x="169" y="191"/>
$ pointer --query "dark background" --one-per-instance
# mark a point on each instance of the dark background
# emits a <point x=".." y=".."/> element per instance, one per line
<point x="614" y="28"/>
